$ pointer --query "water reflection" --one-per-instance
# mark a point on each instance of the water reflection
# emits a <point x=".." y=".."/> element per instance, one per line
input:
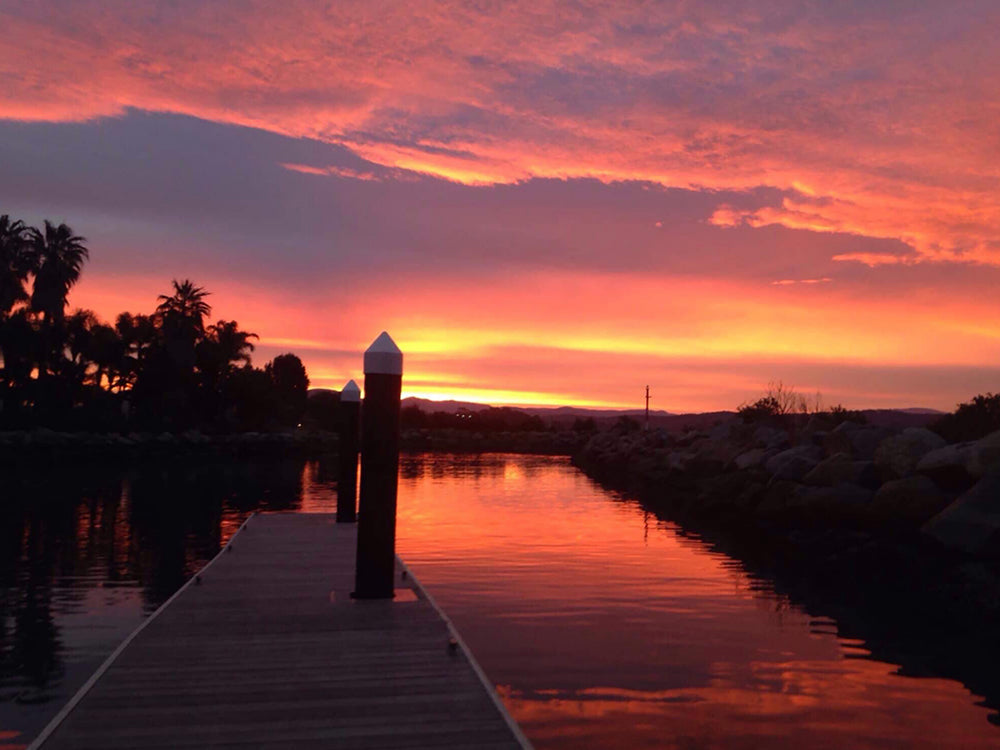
<point x="607" y="627"/>
<point x="86" y="553"/>
<point x="604" y="626"/>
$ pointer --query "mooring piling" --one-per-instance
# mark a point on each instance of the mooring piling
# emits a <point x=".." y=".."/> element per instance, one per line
<point x="349" y="428"/>
<point x="375" y="571"/>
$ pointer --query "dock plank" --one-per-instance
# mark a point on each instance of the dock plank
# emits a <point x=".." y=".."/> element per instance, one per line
<point x="268" y="650"/>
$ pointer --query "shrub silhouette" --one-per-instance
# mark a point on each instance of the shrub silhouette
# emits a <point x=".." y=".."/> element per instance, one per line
<point x="971" y="420"/>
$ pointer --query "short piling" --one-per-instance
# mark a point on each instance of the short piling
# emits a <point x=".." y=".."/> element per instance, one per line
<point x="349" y="434"/>
<point x="374" y="575"/>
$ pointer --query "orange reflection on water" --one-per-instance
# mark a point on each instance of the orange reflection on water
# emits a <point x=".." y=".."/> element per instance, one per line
<point x="846" y="703"/>
<point x="608" y="628"/>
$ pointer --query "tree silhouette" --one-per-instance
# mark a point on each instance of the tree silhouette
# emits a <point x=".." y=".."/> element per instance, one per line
<point x="186" y="307"/>
<point x="167" y="370"/>
<point x="291" y="385"/>
<point x="233" y="345"/>
<point x="57" y="256"/>
<point x="15" y="264"/>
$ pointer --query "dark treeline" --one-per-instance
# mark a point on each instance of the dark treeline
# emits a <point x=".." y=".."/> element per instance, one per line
<point x="166" y="370"/>
<point x="489" y="419"/>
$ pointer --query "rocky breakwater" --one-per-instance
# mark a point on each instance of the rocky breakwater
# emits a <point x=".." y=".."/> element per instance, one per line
<point x="46" y="445"/>
<point x="845" y="500"/>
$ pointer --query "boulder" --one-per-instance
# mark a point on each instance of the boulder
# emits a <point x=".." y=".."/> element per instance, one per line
<point x="816" y="423"/>
<point x="783" y="498"/>
<point x="865" y="440"/>
<point x="770" y="437"/>
<point x="972" y="522"/>
<point x="838" y="441"/>
<point x="840" y="469"/>
<point x="947" y="466"/>
<point x="678" y="460"/>
<point x="792" y="464"/>
<point x="725" y="493"/>
<point x="983" y="455"/>
<point x="911" y="500"/>
<point x="775" y="497"/>
<point x="842" y="499"/>
<point x="897" y="456"/>
<point x="751" y="459"/>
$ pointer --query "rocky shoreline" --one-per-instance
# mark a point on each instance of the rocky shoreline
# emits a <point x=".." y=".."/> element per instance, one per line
<point x="892" y="533"/>
<point x="847" y="500"/>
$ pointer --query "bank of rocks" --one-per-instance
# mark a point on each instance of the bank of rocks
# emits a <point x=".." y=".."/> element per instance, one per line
<point x="860" y="497"/>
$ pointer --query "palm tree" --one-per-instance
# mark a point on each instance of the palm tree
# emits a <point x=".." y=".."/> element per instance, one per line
<point x="186" y="309"/>
<point x="182" y="322"/>
<point x="15" y="263"/>
<point x="137" y="334"/>
<point x="57" y="255"/>
<point x="234" y="345"/>
<point x="224" y="346"/>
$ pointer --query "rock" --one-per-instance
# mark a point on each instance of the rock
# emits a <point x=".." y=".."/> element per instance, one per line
<point x="947" y="466"/>
<point x="816" y="423"/>
<point x="722" y="493"/>
<point x="706" y="463"/>
<point x="722" y="431"/>
<point x="865" y="440"/>
<point x="983" y="455"/>
<point x="783" y="498"/>
<point x="838" y="441"/>
<point x="842" y="499"/>
<point x="775" y="497"/>
<point x="678" y="460"/>
<point x="818" y="438"/>
<point x="751" y="459"/>
<point x="840" y="469"/>
<point x="897" y="456"/>
<point x="792" y="464"/>
<point x="972" y="522"/>
<point x="770" y="437"/>
<point x="912" y="500"/>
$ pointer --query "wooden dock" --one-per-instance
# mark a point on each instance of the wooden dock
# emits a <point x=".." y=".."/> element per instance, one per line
<point x="266" y="649"/>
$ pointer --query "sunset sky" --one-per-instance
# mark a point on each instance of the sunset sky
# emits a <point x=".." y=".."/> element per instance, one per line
<point x="542" y="202"/>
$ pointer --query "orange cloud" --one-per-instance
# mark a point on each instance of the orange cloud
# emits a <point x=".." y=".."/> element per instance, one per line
<point x="873" y="123"/>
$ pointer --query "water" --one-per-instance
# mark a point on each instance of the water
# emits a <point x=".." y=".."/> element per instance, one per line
<point x="602" y="626"/>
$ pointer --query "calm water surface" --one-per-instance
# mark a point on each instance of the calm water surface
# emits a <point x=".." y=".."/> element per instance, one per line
<point x="603" y="626"/>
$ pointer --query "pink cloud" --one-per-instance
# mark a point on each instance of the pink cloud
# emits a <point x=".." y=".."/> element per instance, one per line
<point x="875" y="123"/>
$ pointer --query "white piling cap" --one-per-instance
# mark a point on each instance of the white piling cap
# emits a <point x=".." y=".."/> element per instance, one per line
<point x="383" y="357"/>
<point x="350" y="392"/>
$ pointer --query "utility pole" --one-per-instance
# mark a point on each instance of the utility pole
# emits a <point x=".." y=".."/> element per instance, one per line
<point x="647" y="407"/>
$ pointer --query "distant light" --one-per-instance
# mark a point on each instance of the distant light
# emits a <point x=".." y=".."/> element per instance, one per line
<point x="299" y="424"/>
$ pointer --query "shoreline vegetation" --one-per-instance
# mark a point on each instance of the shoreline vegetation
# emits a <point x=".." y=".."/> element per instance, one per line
<point x="168" y="371"/>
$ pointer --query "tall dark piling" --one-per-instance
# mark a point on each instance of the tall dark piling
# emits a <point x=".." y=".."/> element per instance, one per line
<point x="349" y="437"/>
<point x="376" y="559"/>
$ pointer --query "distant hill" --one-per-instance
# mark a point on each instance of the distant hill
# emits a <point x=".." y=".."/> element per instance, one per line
<point x="565" y="415"/>
<point x="554" y="413"/>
